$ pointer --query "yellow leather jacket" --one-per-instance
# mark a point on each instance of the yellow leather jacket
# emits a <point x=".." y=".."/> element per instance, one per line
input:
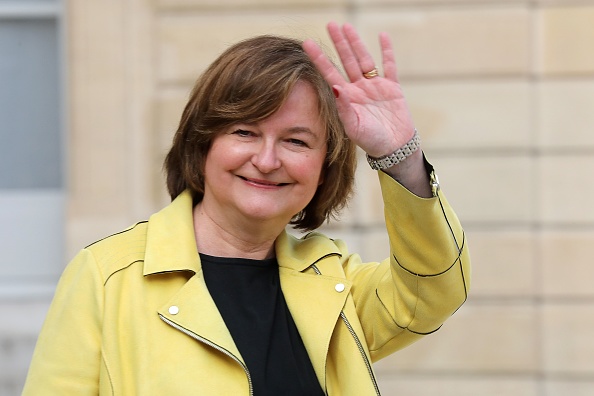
<point x="133" y="316"/>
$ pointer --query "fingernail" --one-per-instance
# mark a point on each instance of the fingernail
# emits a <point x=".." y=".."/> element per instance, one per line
<point x="335" y="92"/>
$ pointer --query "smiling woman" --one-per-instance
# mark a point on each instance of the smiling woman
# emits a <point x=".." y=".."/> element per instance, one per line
<point x="248" y="83"/>
<point x="211" y="295"/>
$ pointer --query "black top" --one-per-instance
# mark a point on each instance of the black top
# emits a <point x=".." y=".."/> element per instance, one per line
<point x="249" y="297"/>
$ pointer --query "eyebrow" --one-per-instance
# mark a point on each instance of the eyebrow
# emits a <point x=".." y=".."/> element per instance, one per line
<point x="300" y="129"/>
<point x="293" y="129"/>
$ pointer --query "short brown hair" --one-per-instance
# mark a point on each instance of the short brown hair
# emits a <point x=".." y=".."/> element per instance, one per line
<point x="247" y="83"/>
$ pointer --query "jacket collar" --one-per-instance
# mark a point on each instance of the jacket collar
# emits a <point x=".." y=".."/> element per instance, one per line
<point x="170" y="240"/>
<point x="300" y="253"/>
<point x="171" y="243"/>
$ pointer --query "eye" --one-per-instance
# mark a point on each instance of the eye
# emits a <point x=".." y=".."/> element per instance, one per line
<point x="297" y="142"/>
<point x="242" y="133"/>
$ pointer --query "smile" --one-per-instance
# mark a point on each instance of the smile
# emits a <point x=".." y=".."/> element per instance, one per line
<point x="263" y="182"/>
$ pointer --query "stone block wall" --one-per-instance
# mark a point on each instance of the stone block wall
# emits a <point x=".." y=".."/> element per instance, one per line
<point x="502" y="92"/>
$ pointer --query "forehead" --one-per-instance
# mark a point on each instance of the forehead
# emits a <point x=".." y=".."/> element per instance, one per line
<point x="300" y="109"/>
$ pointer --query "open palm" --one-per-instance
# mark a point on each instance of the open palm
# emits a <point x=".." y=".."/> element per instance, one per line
<point x="373" y="110"/>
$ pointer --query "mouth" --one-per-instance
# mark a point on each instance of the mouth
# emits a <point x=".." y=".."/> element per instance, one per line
<point x="265" y="183"/>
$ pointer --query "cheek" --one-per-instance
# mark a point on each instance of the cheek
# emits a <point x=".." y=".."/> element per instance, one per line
<point x="224" y="157"/>
<point x="309" y="170"/>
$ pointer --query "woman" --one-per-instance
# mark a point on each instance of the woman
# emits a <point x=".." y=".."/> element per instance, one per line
<point x="211" y="296"/>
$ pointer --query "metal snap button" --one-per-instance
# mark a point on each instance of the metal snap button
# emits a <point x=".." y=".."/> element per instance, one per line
<point x="339" y="287"/>
<point x="174" y="310"/>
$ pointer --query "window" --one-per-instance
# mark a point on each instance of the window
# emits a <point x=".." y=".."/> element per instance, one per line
<point x="32" y="188"/>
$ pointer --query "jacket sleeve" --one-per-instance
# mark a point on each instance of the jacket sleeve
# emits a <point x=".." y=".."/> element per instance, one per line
<point x="67" y="356"/>
<point x="424" y="281"/>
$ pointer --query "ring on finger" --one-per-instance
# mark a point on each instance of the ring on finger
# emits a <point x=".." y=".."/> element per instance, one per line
<point x="372" y="73"/>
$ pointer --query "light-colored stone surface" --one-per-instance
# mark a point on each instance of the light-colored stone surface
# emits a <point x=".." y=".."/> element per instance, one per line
<point x="569" y="387"/>
<point x="506" y="263"/>
<point x="97" y="108"/>
<point x="367" y="207"/>
<point x="110" y="84"/>
<point x="450" y="3"/>
<point x="567" y="338"/>
<point x="479" y="338"/>
<point x="431" y="385"/>
<point x="564" y="191"/>
<point x="186" y="44"/>
<point x="235" y="4"/>
<point x="453" y="41"/>
<point x="565" y="114"/>
<point x="488" y="189"/>
<point x="471" y="114"/>
<point x="567" y="269"/>
<point x="565" y="40"/>
<point x="168" y="107"/>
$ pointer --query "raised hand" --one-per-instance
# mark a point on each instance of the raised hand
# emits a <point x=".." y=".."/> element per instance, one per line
<point x="372" y="108"/>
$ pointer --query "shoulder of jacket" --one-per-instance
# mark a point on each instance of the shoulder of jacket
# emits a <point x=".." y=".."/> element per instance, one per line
<point x="319" y="235"/>
<point x="119" y="250"/>
<point x="322" y="239"/>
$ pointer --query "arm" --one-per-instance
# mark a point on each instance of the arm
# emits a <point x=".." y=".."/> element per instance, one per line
<point x="423" y="282"/>
<point x="427" y="275"/>
<point x="426" y="278"/>
<point x="67" y="357"/>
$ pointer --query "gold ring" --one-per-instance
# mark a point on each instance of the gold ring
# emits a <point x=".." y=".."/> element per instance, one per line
<point x="370" y="74"/>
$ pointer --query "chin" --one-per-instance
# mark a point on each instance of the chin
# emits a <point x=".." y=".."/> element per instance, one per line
<point x="264" y="214"/>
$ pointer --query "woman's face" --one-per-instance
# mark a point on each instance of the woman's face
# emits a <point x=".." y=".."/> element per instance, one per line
<point x="270" y="170"/>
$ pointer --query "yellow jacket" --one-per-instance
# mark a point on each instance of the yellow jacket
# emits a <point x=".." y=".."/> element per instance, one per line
<point x="133" y="316"/>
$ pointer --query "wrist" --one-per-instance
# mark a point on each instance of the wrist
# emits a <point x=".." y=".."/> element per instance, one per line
<point x="413" y="175"/>
<point x="396" y="157"/>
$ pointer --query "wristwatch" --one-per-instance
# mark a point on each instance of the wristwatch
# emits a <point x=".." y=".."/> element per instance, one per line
<point x="397" y="156"/>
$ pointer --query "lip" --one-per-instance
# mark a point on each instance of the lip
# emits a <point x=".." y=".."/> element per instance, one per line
<point x="262" y="182"/>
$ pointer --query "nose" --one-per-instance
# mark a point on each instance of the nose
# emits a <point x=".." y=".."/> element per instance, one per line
<point x="266" y="158"/>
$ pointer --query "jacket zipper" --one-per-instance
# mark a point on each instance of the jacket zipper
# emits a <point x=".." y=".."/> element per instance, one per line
<point x="213" y="345"/>
<point x="362" y="351"/>
<point x="357" y="341"/>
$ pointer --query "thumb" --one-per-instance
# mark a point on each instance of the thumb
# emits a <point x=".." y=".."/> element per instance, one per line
<point x="345" y="111"/>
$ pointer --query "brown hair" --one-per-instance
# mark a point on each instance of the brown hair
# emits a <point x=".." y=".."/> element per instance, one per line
<point x="247" y="83"/>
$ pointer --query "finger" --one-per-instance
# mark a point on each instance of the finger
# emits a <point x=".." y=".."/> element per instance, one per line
<point x="388" y="60"/>
<point x="322" y="63"/>
<point x="349" y="61"/>
<point x="359" y="48"/>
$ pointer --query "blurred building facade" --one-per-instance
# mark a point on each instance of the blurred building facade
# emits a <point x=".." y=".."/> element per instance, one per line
<point x="502" y="92"/>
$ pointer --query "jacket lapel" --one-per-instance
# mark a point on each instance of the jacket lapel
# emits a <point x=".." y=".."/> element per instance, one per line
<point x="193" y="311"/>
<point x="315" y="301"/>
<point x="171" y="247"/>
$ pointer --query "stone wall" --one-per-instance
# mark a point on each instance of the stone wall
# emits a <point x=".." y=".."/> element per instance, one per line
<point x="502" y="92"/>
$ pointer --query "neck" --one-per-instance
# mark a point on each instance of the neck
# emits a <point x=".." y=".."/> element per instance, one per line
<point x="223" y="237"/>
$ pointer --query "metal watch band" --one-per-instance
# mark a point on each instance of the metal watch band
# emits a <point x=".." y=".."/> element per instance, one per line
<point x="397" y="156"/>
